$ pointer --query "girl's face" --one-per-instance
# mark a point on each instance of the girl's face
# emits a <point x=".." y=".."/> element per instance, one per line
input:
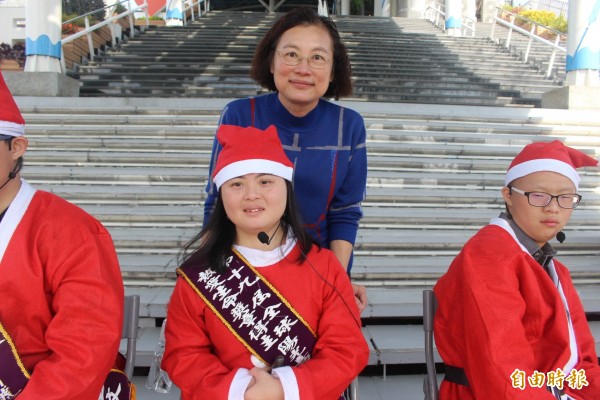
<point x="254" y="203"/>
<point x="301" y="86"/>
<point x="539" y="223"/>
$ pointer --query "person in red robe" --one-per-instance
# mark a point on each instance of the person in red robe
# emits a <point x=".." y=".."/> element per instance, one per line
<point x="61" y="285"/>
<point x="510" y="324"/>
<point x="256" y="219"/>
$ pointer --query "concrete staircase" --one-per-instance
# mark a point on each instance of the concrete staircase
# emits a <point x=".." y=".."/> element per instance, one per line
<point x="394" y="60"/>
<point x="135" y="154"/>
<point x="140" y="165"/>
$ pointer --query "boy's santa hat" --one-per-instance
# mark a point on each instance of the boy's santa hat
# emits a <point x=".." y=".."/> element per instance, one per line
<point x="551" y="156"/>
<point x="11" y="121"/>
<point x="250" y="150"/>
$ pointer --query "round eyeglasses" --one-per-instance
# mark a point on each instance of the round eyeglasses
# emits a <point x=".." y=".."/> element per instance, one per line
<point x="541" y="199"/>
<point x="290" y="57"/>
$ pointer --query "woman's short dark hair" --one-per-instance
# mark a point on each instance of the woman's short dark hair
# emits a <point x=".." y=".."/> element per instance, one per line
<point x="265" y="51"/>
<point x="215" y="240"/>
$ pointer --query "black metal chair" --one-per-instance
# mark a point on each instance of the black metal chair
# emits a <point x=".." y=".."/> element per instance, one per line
<point x="430" y="385"/>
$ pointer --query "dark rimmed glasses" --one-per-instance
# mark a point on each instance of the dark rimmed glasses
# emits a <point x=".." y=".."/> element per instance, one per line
<point x="290" y="57"/>
<point x="541" y="199"/>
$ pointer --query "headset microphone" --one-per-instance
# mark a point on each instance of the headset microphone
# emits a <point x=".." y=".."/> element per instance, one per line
<point x="13" y="174"/>
<point x="264" y="238"/>
<point x="560" y="236"/>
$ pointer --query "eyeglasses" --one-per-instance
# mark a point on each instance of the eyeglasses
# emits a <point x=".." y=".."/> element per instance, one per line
<point x="541" y="199"/>
<point x="292" y="58"/>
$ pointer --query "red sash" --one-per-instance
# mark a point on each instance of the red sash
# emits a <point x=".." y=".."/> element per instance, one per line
<point x="254" y="311"/>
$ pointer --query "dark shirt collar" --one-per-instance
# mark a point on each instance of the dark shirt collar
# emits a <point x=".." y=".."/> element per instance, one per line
<point x="542" y="255"/>
<point x="2" y="214"/>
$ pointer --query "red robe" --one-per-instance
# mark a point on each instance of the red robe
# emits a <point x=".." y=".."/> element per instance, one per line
<point x="499" y="311"/>
<point x="202" y="356"/>
<point x="62" y="295"/>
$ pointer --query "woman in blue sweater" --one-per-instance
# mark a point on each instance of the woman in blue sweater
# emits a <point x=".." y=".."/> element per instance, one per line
<point x="302" y="59"/>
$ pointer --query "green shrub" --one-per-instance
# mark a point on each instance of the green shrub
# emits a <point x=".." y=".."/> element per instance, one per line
<point x="545" y="18"/>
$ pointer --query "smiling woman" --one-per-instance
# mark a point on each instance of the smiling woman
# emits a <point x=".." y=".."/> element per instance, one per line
<point x="302" y="60"/>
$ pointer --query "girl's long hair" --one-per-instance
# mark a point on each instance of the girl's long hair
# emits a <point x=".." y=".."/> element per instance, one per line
<point x="212" y="246"/>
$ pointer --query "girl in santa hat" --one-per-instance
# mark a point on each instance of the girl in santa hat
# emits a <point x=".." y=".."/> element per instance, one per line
<point x="303" y="61"/>
<point x="510" y="324"/>
<point x="259" y="311"/>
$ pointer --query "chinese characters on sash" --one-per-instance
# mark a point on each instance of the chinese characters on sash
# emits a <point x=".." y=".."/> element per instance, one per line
<point x="254" y="311"/>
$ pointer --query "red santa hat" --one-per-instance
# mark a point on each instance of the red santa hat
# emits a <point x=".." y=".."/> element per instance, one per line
<point x="11" y="121"/>
<point x="549" y="156"/>
<point x="250" y="150"/>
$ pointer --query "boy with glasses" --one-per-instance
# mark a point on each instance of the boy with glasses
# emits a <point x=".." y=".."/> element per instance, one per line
<point x="510" y="323"/>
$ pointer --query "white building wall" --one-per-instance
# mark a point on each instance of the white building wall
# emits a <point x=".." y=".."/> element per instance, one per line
<point x="12" y="25"/>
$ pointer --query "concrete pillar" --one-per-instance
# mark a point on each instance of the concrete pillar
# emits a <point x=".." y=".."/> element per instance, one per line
<point x="43" y="35"/>
<point x="386" y="8"/>
<point x="410" y="9"/>
<point x="582" y="86"/>
<point x="174" y="13"/>
<point x="583" y="43"/>
<point x="377" y="4"/>
<point x="345" y="7"/>
<point x="453" y="17"/>
<point x="470" y="9"/>
<point x="488" y="9"/>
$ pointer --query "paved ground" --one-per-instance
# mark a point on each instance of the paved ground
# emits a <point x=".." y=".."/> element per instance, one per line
<point x="403" y="387"/>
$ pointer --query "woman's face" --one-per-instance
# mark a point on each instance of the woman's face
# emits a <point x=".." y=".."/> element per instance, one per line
<point x="254" y="203"/>
<point x="301" y="86"/>
<point x="539" y="223"/>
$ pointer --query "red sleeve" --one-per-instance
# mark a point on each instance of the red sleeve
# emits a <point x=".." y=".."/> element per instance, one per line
<point x="189" y="358"/>
<point x="85" y="293"/>
<point x="341" y="352"/>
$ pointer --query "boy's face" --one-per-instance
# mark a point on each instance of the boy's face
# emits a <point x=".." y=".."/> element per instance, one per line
<point x="539" y="223"/>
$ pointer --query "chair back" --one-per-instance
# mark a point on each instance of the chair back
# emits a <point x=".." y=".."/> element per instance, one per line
<point x="430" y="386"/>
<point x="130" y="331"/>
<point x="352" y="390"/>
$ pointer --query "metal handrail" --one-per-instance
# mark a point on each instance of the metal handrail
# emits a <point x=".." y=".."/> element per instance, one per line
<point x="110" y="21"/>
<point x="188" y="5"/>
<point x="436" y="15"/>
<point x="468" y="26"/>
<point x="433" y="14"/>
<point x="532" y="36"/>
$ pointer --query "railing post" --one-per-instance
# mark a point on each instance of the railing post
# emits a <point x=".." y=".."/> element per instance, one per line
<point x="493" y="29"/>
<point x="510" y="29"/>
<point x="551" y="63"/>
<point x="131" y="26"/>
<point x="529" y="43"/>
<point x="146" y="13"/>
<point x="89" y="38"/>
<point x="112" y="33"/>
<point x="191" y="3"/>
